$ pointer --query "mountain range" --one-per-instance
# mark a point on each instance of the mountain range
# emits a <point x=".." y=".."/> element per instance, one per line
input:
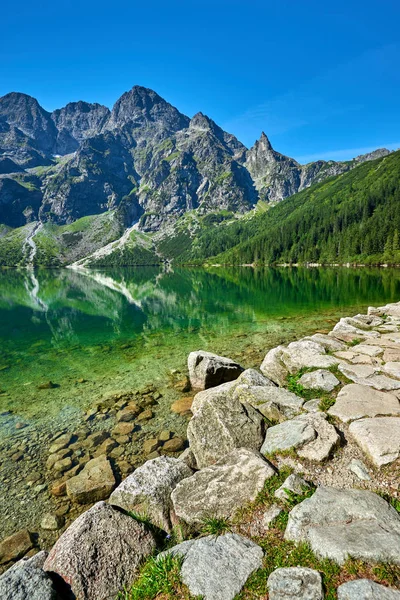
<point x="142" y="170"/>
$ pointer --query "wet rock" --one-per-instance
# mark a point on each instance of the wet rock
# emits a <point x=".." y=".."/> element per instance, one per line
<point x="59" y="488"/>
<point x="341" y="524"/>
<point x="217" y="567"/>
<point x="145" y="415"/>
<point x="319" y="380"/>
<point x="379" y="438"/>
<point x="273" y="367"/>
<point x="165" y="435"/>
<point x="222" y="424"/>
<point x="128" y="414"/>
<point x="53" y="458"/>
<point x="47" y="385"/>
<point x="94" y="483"/>
<point x="356" y="401"/>
<point x="294" y="484"/>
<point x="221" y="489"/>
<point x="52" y="522"/>
<point x="123" y="428"/>
<point x="149" y="489"/>
<point x="175" y="445"/>
<point x="182" y="406"/>
<point x="277" y="404"/>
<point x="295" y="582"/>
<point x="365" y="589"/>
<point x="63" y="465"/>
<point x="208" y="370"/>
<point x="150" y="445"/>
<point x="63" y="441"/>
<point x="15" y="546"/>
<point x="106" y="447"/>
<point x="88" y="552"/>
<point x="96" y="438"/>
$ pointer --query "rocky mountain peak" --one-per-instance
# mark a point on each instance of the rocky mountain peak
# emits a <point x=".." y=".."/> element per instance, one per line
<point x="25" y="113"/>
<point x="264" y="143"/>
<point x="202" y="122"/>
<point x="75" y="122"/>
<point x="142" y="107"/>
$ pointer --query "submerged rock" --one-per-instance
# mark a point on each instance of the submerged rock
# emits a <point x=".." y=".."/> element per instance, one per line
<point x="217" y="567"/>
<point x="15" y="546"/>
<point x="95" y="482"/>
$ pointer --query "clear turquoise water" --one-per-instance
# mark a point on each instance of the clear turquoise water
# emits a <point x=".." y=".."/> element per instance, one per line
<point x="120" y="329"/>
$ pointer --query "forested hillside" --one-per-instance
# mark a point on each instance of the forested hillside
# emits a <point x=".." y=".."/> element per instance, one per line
<point x="354" y="217"/>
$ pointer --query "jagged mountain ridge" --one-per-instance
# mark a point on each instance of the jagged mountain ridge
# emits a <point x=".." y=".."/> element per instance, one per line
<point x="143" y="158"/>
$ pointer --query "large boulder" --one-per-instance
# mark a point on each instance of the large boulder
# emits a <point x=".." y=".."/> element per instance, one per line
<point x="273" y="367"/>
<point x="365" y="589"/>
<point x="356" y="401"/>
<point x="309" y="434"/>
<point x="25" y="581"/>
<point x="379" y="438"/>
<point x="327" y="341"/>
<point x="306" y="354"/>
<point x="298" y="583"/>
<point x="389" y="310"/>
<point x="341" y="524"/>
<point x="15" y="546"/>
<point x="220" y="424"/>
<point x="148" y="490"/>
<point x="100" y="553"/>
<point x="277" y="404"/>
<point x="221" y="489"/>
<point x="95" y="482"/>
<point x="208" y="370"/>
<point x="217" y="567"/>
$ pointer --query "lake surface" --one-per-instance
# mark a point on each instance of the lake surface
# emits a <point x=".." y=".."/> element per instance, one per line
<point x="98" y="334"/>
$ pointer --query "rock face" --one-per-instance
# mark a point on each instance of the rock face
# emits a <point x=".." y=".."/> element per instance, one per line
<point x="210" y="490"/>
<point x="342" y="524"/>
<point x="364" y="589"/>
<point x="149" y="489"/>
<point x="379" y="438"/>
<point x="95" y="482"/>
<point x="221" y="424"/>
<point x="356" y="401"/>
<point x="27" y="582"/>
<point x="207" y="370"/>
<point x="295" y="582"/>
<point x="310" y="435"/>
<point x="217" y="567"/>
<point x="75" y="122"/>
<point x="100" y="553"/>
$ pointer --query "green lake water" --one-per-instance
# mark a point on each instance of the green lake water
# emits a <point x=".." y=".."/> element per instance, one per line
<point x="121" y="329"/>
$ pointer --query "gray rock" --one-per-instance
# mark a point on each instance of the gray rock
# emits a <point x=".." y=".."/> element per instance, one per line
<point x="328" y="342"/>
<point x="373" y="351"/>
<point x="342" y="524"/>
<point x="222" y="424"/>
<point x="221" y="489"/>
<point x="312" y="405"/>
<point x="310" y="435"/>
<point x="389" y="310"/>
<point x="100" y="553"/>
<point x="365" y="589"/>
<point x="208" y="370"/>
<point x="369" y="375"/>
<point x="27" y="582"/>
<point x="253" y="377"/>
<point x="295" y="582"/>
<point x="293" y="484"/>
<point x="319" y="380"/>
<point x="217" y="567"/>
<point x="359" y="469"/>
<point x="356" y="401"/>
<point x="379" y="438"/>
<point x="346" y="330"/>
<point x="95" y="482"/>
<point x="392" y="369"/>
<point x="51" y="522"/>
<point x="148" y="490"/>
<point x="307" y="354"/>
<point x="277" y="404"/>
<point x="270" y="515"/>
<point x="273" y="367"/>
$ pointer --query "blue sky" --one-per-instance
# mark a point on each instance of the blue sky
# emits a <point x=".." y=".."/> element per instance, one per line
<point x="322" y="79"/>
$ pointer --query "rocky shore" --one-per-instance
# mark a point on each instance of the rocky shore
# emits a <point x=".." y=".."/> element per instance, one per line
<point x="287" y="485"/>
